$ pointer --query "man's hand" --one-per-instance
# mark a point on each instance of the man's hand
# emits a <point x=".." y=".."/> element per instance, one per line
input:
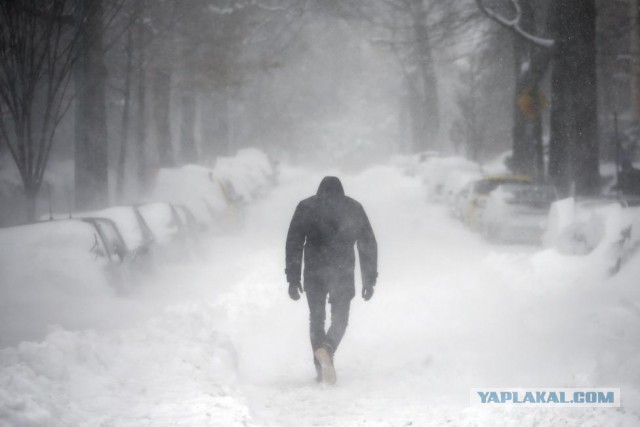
<point x="367" y="292"/>
<point x="295" y="289"/>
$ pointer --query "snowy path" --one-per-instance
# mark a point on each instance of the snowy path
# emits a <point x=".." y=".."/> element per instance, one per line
<point x="450" y="313"/>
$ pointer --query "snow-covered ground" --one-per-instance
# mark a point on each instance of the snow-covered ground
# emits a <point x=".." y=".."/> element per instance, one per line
<point x="220" y="343"/>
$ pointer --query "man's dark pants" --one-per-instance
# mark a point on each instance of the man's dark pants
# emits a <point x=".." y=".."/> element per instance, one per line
<point x="317" y="299"/>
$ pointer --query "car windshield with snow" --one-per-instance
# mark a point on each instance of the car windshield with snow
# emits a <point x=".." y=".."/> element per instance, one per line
<point x="477" y="193"/>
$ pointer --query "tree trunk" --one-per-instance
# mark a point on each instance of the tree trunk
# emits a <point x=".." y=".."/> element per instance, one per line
<point x="141" y="104"/>
<point x="31" y="196"/>
<point x="523" y="160"/>
<point x="187" y="127"/>
<point x="634" y="51"/>
<point x="560" y="128"/>
<point x="221" y="137"/>
<point x="416" y="114"/>
<point x="207" y="129"/>
<point x="476" y="131"/>
<point x="585" y="103"/>
<point x="91" y="157"/>
<point x="126" y="115"/>
<point x="162" y="114"/>
<point x="404" y="126"/>
<point x="429" y="92"/>
<point x="538" y="144"/>
<point x="574" y="157"/>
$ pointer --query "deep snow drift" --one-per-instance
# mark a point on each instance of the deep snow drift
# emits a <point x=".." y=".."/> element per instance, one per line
<point x="220" y="343"/>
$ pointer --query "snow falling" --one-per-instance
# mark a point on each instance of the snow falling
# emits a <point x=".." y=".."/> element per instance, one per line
<point x="160" y="164"/>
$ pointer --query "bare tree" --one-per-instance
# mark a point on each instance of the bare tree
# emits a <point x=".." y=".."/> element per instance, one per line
<point x="416" y="31"/>
<point x="532" y="55"/>
<point x="410" y="39"/>
<point x="470" y="127"/>
<point x="570" y="49"/>
<point x="427" y="87"/>
<point x="146" y="73"/>
<point x="39" y="45"/>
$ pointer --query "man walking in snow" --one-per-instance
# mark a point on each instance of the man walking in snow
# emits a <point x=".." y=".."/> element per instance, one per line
<point x="325" y="228"/>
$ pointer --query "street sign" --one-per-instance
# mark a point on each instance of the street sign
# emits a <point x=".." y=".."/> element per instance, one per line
<point x="526" y="102"/>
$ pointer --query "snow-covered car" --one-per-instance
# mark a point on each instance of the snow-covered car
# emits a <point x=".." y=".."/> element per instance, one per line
<point x="412" y="164"/>
<point x="499" y="165"/>
<point x="132" y="228"/>
<point x="517" y="212"/>
<point x="60" y="247"/>
<point x="188" y="221"/>
<point x="114" y="248"/>
<point x="244" y="176"/>
<point x="130" y="224"/>
<point x="459" y="201"/>
<point x="474" y="198"/>
<point x="437" y="171"/>
<point x="195" y="187"/>
<point x="606" y="229"/>
<point x="175" y="229"/>
<point x="454" y="189"/>
<point x="163" y="221"/>
<point x="57" y="272"/>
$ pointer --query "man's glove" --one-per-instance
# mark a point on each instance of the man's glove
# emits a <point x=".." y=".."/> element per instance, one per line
<point x="367" y="292"/>
<point x="295" y="289"/>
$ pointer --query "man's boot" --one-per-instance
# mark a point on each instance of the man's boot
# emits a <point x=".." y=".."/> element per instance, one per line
<point x="326" y="364"/>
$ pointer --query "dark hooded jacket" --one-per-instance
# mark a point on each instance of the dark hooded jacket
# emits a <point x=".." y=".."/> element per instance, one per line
<point x="325" y="228"/>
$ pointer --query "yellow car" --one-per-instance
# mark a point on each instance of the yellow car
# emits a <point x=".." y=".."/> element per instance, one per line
<point x="474" y="195"/>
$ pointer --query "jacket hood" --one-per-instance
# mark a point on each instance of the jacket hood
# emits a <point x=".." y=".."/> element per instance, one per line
<point x="330" y="188"/>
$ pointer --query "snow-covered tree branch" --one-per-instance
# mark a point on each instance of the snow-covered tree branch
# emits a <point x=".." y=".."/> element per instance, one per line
<point x="514" y="24"/>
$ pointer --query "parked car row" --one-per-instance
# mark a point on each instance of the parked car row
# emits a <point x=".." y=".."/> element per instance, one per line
<point x="503" y="207"/>
<point x="603" y="229"/>
<point x="126" y="241"/>
<point x="217" y="192"/>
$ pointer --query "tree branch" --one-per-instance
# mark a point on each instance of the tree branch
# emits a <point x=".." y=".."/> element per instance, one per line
<point x="514" y="24"/>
